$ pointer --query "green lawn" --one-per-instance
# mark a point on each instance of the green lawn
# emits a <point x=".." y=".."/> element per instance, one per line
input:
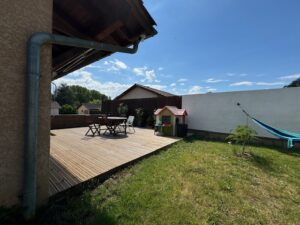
<point x="193" y="182"/>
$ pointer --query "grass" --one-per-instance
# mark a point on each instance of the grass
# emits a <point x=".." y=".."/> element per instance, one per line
<point x="193" y="182"/>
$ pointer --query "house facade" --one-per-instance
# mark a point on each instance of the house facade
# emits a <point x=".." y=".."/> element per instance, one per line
<point x="55" y="108"/>
<point x="19" y="20"/>
<point x="88" y="108"/>
<point x="86" y="20"/>
<point x="139" y="96"/>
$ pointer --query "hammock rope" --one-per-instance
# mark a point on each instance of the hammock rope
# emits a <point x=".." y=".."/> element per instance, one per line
<point x="291" y="137"/>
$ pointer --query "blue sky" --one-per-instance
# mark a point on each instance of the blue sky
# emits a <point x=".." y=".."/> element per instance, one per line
<point x="206" y="45"/>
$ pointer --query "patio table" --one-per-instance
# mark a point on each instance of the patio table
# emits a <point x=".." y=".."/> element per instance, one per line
<point x="112" y="123"/>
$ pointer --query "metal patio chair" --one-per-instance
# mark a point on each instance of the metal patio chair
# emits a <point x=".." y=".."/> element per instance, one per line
<point x="95" y="128"/>
<point x="129" y="123"/>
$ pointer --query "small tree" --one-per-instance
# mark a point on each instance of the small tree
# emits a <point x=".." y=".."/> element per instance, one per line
<point x="139" y="116"/>
<point x="242" y="135"/>
<point x="122" y="109"/>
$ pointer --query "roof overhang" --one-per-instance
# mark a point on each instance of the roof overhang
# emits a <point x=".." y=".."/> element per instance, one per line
<point x="117" y="22"/>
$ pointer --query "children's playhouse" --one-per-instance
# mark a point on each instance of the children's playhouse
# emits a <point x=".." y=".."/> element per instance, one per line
<point x="168" y="119"/>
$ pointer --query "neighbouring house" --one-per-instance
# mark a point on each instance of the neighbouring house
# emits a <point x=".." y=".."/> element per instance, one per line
<point x="168" y="117"/>
<point x="89" y="108"/>
<point x="24" y="135"/>
<point x="140" y="96"/>
<point x="55" y="108"/>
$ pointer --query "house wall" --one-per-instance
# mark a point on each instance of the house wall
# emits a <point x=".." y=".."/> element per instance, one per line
<point x="138" y="93"/>
<point x="217" y="112"/>
<point x="19" y="19"/>
<point x="54" y="111"/>
<point x="82" y="110"/>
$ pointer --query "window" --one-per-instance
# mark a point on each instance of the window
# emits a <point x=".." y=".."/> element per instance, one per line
<point x="166" y="119"/>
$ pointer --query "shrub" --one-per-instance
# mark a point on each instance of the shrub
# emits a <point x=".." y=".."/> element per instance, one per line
<point x="67" y="109"/>
<point x="139" y="116"/>
<point x="242" y="135"/>
<point x="122" y="109"/>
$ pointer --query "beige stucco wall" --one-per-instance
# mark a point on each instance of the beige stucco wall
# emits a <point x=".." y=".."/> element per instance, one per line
<point x="138" y="93"/>
<point x="19" y="19"/>
<point x="82" y="110"/>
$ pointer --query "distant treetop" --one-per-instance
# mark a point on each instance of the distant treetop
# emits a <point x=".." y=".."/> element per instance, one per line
<point x="295" y="83"/>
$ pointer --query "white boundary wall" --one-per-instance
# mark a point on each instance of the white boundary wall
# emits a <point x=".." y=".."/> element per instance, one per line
<point x="217" y="112"/>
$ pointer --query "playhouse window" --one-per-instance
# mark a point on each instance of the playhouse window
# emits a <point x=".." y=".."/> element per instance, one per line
<point x="166" y="119"/>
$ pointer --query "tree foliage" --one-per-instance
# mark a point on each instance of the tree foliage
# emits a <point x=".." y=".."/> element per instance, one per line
<point x="295" y="83"/>
<point x="123" y="109"/>
<point x="139" y="116"/>
<point x="76" y="95"/>
<point x="67" y="109"/>
<point x="242" y="135"/>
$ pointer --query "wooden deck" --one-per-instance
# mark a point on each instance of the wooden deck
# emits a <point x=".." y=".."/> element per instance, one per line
<point x="75" y="158"/>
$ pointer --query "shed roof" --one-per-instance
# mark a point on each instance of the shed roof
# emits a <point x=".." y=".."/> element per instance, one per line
<point x="173" y="109"/>
<point x="152" y="90"/>
<point x="117" y="22"/>
<point x="91" y="106"/>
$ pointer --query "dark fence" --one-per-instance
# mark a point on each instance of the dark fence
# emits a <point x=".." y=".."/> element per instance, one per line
<point x="71" y="121"/>
<point x="148" y="104"/>
<point x="111" y="108"/>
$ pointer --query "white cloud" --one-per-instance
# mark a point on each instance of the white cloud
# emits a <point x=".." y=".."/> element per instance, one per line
<point x="182" y="84"/>
<point x="230" y="74"/>
<point x="269" y="83"/>
<point x="290" y="77"/>
<point x="212" y="80"/>
<point x="173" y="85"/>
<point x="195" y="89"/>
<point x="250" y="83"/>
<point x="211" y="90"/>
<point x="119" y="64"/>
<point x="94" y="66"/>
<point x="113" y="65"/>
<point x="85" y="79"/>
<point x="160" y="68"/>
<point x="139" y="71"/>
<point x="233" y="74"/>
<point x="182" y="80"/>
<point x="156" y="86"/>
<point x="147" y="74"/>
<point x="242" y="83"/>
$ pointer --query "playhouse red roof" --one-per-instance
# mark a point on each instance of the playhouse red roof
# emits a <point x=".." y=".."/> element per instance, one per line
<point x="173" y="109"/>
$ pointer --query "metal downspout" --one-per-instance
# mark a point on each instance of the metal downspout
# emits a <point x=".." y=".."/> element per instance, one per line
<point x="36" y="41"/>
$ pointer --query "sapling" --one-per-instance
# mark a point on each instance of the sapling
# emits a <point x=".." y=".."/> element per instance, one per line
<point x="242" y="135"/>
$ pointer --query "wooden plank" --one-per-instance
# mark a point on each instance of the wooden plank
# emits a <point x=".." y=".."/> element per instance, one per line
<point x="75" y="158"/>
